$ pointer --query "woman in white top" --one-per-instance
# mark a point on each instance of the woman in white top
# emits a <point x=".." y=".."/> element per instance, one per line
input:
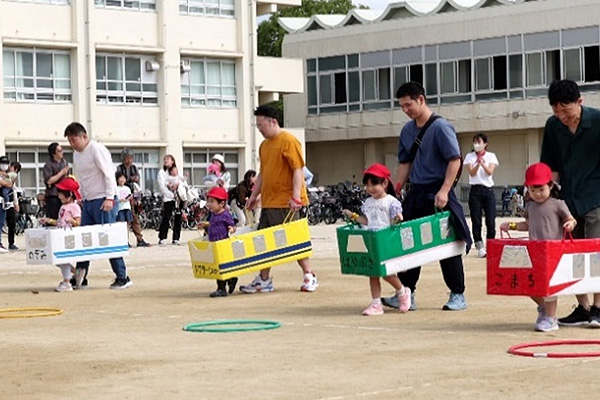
<point x="168" y="191"/>
<point x="481" y="165"/>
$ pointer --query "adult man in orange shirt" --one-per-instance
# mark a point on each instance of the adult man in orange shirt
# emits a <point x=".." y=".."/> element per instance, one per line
<point x="280" y="184"/>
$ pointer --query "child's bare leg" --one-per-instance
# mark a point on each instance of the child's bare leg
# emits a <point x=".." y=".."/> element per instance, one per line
<point x="550" y="306"/>
<point x="375" y="285"/>
<point x="394" y="281"/>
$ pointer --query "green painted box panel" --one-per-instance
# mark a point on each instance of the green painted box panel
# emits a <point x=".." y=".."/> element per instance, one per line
<point x="364" y="252"/>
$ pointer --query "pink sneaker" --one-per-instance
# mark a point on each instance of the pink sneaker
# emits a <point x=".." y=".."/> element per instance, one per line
<point x="404" y="300"/>
<point x="373" y="309"/>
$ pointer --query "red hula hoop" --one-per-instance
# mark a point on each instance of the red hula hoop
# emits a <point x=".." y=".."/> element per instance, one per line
<point x="516" y="349"/>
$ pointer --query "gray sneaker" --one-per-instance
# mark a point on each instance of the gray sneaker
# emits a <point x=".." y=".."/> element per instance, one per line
<point x="392" y="301"/>
<point x="456" y="302"/>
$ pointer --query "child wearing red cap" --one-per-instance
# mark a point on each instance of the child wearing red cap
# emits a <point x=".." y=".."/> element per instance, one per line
<point x="546" y="216"/>
<point x="69" y="215"/>
<point x="219" y="227"/>
<point x="379" y="211"/>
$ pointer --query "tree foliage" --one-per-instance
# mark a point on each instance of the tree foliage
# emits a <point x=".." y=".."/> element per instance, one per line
<point x="270" y="34"/>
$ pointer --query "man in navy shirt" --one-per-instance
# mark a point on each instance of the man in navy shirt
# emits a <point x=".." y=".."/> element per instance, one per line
<point x="432" y="173"/>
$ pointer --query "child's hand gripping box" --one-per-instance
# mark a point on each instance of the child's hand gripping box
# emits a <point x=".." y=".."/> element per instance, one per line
<point x="250" y="250"/>
<point x="82" y="243"/>
<point x="399" y="247"/>
<point x="521" y="267"/>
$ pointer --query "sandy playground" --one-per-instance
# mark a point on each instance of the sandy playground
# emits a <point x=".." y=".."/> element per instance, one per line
<point x="130" y="344"/>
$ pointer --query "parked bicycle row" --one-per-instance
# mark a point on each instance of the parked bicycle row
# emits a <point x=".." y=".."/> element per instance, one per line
<point x="327" y="203"/>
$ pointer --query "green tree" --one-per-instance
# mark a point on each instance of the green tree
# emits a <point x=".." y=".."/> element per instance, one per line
<point x="270" y="34"/>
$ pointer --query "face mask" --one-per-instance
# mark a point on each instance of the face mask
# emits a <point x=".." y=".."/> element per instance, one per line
<point x="3" y="167"/>
<point x="478" y="147"/>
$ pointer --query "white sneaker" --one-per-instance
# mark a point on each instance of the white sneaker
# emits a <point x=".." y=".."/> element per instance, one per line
<point x="64" y="287"/>
<point x="162" y="242"/>
<point x="258" y="285"/>
<point x="310" y="283"/>
<point x="176" y="242"/>
<point x="481" y="253"/>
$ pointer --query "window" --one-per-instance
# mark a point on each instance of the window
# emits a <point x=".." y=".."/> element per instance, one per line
<point x="123" y="79"/>
<point x="219" y="8"/>
<point x="455" y="76"/>
<point x="376" y="84"/>
<point x="195" y="163"/>
<point x="36" y="75"/>
<point x="143" y="5"/>
<point x="490" y="73"/>
<point x="542" y="67"/>
<point x="45" y="1"/>
<point x="582" y="64"/>
<point x="209" y="83"/>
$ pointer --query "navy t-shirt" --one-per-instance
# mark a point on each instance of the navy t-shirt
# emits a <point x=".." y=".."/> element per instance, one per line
<point x="438" y="147"/>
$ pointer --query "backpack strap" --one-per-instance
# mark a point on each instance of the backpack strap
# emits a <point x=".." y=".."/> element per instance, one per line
<point x="419" y="138"/>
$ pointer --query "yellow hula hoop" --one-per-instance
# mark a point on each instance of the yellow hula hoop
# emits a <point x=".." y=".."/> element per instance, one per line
<point x="29" y="312"/>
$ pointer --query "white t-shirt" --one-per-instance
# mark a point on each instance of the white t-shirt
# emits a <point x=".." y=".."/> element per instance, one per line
<point x="481" y="177"/>
<point x="381" y="212"/>
<point x="123" y="193"/>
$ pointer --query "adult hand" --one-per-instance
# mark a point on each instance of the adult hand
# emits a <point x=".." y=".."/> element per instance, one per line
<point x="295" y="204"/>
<point x="251" y="203"/>
<point x="441" y="199"/>
<point x="107" y="205"/>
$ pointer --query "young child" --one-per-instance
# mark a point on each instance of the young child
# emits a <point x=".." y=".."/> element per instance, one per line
<point x="213" y="174"/>
<point x="181" y="191"/>
<point x="379" y="211"/>
<point x="124" y="197"/>
<point x="68" y="216"/>
<point x="219" y="227"/>
<point x="545" y="218"/>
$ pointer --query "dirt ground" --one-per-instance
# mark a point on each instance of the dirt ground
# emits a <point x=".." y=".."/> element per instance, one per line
<point x="130" y="344"/>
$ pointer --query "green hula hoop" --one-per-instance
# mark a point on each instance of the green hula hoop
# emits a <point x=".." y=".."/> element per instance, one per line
<point x="244" y="325"/>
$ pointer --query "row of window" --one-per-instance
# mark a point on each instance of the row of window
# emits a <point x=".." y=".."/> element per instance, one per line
<point x="221" y="8"/>
<point x="41" y="75"/>
<point x="367" y="81"/>
<point x="148" y="162"/>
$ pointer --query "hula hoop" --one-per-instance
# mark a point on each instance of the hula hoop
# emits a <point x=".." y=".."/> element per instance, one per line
<point x="29" y="312"/>
<point x="217" y="326"/>
<point x="515" y="350"/>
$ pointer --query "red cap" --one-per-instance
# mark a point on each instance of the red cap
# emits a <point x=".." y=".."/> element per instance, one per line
<point x="218" y="193"/>
<point x="538" y="174"/>
<point x="69" y="184"/>
<point x="378" y="170"/>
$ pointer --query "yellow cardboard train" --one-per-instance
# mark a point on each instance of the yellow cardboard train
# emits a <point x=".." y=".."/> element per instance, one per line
<point x="250" y="250"/>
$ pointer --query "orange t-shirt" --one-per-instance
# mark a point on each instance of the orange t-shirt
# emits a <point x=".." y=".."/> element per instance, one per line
<point x="279" y="157"/>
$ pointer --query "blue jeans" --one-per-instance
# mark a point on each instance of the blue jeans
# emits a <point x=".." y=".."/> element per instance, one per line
<point x="482" y="200"/>
<point x="91" y="214"/>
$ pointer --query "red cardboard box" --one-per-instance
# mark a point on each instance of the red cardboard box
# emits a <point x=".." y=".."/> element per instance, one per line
<point x="521" y="267"/>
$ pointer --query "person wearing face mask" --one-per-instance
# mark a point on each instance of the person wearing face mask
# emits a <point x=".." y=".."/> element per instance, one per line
<point x="481" y="165"/>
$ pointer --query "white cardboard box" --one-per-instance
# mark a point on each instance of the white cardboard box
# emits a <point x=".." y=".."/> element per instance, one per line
<point x="82" y="243"/>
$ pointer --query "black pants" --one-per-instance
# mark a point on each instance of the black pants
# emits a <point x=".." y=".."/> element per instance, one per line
<point x="422" y="205"/>
<point x="482" y="200"/>
<point x="11" y="220"/>
<point x="168" y="207"/>
<point x="53" y="205"/>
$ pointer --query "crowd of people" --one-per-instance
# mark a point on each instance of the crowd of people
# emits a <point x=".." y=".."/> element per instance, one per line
<point x="561" y="193"/>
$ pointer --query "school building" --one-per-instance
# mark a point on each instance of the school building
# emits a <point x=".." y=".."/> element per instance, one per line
<point x="159" y="77"/>
<point x="485" y="68"/>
